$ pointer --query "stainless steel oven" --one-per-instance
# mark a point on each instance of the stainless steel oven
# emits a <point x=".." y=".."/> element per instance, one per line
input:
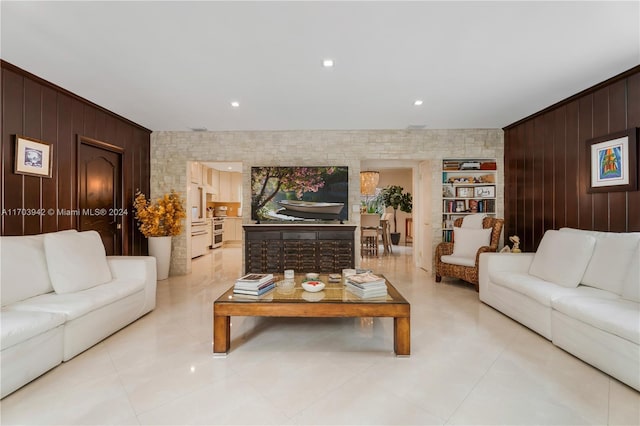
<point x="218" y="225"/>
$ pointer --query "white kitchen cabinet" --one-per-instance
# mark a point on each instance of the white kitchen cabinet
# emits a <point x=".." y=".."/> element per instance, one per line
<point x="195" y="172"/>
<point x="232" y="229"/>
<point x="225" y="186"/>
<point x="214" y="181"/>
<point x="236" y="187"/>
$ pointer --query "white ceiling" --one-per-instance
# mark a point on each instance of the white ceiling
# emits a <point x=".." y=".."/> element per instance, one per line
<point x="178" y="65"/>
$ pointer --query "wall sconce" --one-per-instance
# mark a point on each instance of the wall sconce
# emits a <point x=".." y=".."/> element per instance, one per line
<point x="368" y="182"/>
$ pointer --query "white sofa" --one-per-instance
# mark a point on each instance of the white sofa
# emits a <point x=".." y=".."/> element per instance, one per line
<point x="581" y="290"/>
<point x="60" y="295"/>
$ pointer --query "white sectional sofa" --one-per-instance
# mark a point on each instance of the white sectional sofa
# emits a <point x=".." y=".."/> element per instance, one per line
<point x="60" y="295"/>
<point x="581" y="290"/>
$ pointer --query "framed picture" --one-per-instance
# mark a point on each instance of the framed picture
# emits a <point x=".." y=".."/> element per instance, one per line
<point x="460" y="206"/>
<point x="464" y="192"/>
<point x="612" y="162"/>
<point x="33" y="157"/>
<point x="485" y="191"/>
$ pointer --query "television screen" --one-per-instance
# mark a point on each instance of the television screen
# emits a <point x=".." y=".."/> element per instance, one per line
<point x="299" y="193"/>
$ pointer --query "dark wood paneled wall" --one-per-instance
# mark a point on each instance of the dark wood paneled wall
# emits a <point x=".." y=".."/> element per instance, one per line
<point x="35" y="108"/>
<point x="545" y="157"/>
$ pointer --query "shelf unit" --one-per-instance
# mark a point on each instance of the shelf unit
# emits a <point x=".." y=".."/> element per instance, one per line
<point x="468" y="187"/>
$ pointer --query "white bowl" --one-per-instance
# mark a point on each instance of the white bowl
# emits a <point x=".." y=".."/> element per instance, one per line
<point x="313" y="276"/>
<point x="313" y="286"/>
<point x="313" y="297"/>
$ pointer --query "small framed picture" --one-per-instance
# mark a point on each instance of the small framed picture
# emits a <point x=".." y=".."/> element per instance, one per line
<point x="485" y="191"/>
<point x="464" y="192"/>
<point x="460" y="206"/>
<point x="33" y="157"/>
<point x="612" y="162"/>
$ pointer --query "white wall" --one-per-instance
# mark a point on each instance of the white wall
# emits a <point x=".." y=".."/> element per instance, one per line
<point x="171" y="152"/>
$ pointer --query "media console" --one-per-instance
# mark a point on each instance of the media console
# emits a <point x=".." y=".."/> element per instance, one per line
<point x="303" y="248"/>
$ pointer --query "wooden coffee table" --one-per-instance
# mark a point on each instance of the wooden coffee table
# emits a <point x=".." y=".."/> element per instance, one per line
<point x="332" y="302"/>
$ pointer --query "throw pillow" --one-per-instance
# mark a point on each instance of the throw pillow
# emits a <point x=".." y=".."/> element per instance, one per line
<point x="610" y="262"/>
<point x="467" y="241"/>
<point x="76" y="261"/>
<point x="562" y="257"/>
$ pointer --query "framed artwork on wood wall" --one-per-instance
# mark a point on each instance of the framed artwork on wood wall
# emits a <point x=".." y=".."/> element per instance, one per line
<point x="612" y="162"/>
<point x="33" y="157"/>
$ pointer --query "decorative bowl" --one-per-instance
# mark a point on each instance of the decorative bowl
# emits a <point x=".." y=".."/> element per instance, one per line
<point x="313" y="286"/>
<point x="312" y="276"/>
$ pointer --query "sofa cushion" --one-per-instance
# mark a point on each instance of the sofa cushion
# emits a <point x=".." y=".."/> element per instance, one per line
<point x="631" y="284"/>
<point x="611" y="258"/>
<point x="457" y="260"/>
<point x="76" y="261"/>
<point x="562" y="257"/>
<point x="23" y="267"/>
<point x="616" y="316"/>
<point x="18" y="326"/>
<point x="77" y="304"/>
<point x="467" y="241"/>
<point x="543" y="292"/>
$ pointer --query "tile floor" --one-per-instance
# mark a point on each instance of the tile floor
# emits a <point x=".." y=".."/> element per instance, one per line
<point x="469" y="365"/>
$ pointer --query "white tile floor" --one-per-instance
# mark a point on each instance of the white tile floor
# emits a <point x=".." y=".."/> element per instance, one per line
<point x="469" y="365"/>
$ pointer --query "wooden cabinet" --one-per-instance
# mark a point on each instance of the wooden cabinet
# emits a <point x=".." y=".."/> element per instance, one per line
<point x="303" y="248"/>
<point x="468" y="186"/>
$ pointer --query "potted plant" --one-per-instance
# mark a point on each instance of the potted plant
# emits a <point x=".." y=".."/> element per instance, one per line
<point x="159" y="221"/>
<point x="393" y="197"/>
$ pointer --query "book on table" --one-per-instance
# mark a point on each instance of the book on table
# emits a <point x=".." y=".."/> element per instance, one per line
<point x="255" y="292"/>
<point x="253" y="286"/>
<point x="255" y="278"/>
<point x="366" y="293"/>
<point x="367" y="280"/>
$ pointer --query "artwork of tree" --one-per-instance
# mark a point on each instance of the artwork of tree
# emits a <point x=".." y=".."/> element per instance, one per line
<point x="266" y="182"/>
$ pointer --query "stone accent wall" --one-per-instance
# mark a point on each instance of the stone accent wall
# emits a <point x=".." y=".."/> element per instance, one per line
<point x="171" y="152"/>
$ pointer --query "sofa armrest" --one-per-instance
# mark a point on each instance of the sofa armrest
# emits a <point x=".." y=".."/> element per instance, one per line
<point x="491" y="263"/>
<point x="141" y="267"/>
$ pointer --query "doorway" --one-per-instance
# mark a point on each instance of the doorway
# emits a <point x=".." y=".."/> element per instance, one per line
<point x="100" y="192"/>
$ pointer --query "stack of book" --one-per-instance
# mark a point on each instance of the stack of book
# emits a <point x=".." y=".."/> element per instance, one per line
<point x="366" y="285"/>
<point x="254" y="284"/>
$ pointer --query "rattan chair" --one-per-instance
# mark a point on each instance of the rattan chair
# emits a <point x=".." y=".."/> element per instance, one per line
<point x="467" y="273"/>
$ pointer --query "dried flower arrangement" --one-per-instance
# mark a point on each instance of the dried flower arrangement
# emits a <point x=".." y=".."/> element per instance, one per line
<point x="162" y="218"/>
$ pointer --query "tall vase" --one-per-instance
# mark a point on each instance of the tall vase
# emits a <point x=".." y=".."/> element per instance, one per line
<point x="160" y="248"/>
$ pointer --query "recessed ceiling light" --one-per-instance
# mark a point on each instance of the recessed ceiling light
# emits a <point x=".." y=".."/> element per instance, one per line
<point x="235" y="104"/>
<point x="327" y="63"/>
<point x="417" y="102"/>
<point x="229" y="168"/>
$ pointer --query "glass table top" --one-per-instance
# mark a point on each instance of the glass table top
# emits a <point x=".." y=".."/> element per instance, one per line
<point x="291" y="291"/>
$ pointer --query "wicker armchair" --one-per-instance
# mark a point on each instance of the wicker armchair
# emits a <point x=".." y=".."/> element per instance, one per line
<point x="467" y="273"/>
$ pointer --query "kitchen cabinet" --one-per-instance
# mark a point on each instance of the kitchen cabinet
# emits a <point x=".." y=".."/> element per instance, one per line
<point x="213" y="181"/>
<point x="232" y="229"/>
<point x="225" y="186"/>
<point x="236" y="187"/>
<point x="195" y="173"/>
<point x="230" y="187"/>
